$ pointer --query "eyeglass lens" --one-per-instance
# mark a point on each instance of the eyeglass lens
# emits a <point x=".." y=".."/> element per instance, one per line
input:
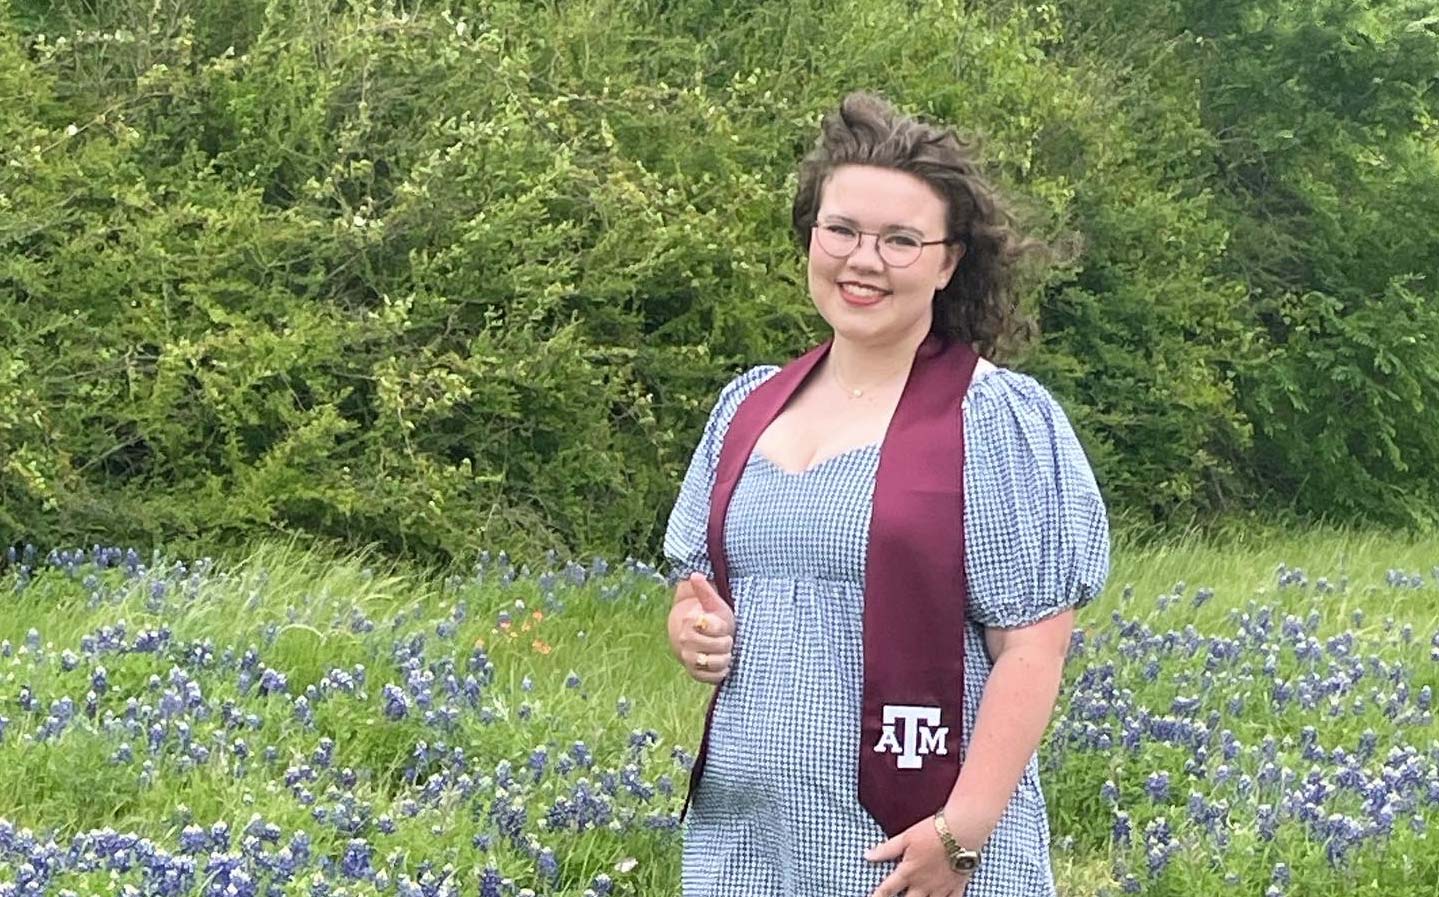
<point x="895" y="250"/>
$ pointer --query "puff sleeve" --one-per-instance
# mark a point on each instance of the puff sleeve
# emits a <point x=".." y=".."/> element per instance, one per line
<point x="1036" y="530"/>
<point x="685" y="546"/>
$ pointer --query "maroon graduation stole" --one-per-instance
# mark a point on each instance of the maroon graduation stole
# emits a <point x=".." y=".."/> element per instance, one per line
<point x="914" y="590"/>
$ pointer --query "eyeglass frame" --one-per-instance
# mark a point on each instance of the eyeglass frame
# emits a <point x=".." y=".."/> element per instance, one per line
<point x="861" y="234"/>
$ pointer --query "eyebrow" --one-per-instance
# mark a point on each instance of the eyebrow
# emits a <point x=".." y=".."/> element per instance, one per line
<point x="845" y="219"/>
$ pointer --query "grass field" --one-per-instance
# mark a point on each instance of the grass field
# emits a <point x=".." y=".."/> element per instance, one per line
<point x="1256" y="716"/>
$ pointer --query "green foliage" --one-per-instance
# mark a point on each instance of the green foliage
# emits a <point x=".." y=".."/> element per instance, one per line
<point x="1350" y="393"/>
<point x="1323" y="169"/>
<point x="456" y="275"/>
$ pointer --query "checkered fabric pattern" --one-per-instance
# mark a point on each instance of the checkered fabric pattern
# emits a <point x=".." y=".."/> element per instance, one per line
<point x="777" y="812"/>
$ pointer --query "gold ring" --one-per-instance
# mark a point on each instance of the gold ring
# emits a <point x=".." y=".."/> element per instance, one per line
<point x="701" y="625"/>
<point x="702" y="661"/>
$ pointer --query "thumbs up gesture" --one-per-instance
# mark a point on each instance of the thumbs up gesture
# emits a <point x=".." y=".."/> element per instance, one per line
<point x="701" y="630"/>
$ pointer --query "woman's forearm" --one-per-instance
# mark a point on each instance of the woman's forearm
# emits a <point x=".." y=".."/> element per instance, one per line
<point x="1013" y="714"/>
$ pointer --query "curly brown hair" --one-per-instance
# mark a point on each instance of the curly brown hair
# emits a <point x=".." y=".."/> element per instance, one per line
<point x="980" y="304"/>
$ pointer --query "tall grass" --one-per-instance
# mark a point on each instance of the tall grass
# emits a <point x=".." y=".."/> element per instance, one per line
<point x="490" y="724"/>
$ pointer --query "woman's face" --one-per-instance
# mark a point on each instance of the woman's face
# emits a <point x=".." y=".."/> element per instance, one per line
<point x="865" y="298"/>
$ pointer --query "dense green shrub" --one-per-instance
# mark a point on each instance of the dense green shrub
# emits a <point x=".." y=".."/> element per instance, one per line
<point x="1323" y="172"/>
<point x="472" y="274"/>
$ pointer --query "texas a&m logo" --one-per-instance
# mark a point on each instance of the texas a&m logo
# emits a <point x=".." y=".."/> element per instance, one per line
<point x="920" y="734"/>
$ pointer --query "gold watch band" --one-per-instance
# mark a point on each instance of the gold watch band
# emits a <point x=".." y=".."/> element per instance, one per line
<point x="961" y="859"/>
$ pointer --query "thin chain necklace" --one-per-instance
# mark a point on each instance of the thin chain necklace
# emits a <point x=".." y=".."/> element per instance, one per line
<point x="855" y="392"/>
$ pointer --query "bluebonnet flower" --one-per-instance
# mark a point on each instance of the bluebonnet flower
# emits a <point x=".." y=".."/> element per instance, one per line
<point x="1342" y="834"/>
<point x="561" y="816"/>
<point x="643" y="738"/>
<point x="357" y="859"/>
<point x="100" y="680"/>
<point x="1368" y="741"/>
<point x="261" y="830"/>
<point x="194" y="839"/>
<point x="491" y="883"/>
<point x="1184" y="705"/>
<point x="272" y="681"/>
<point x="1266" y="821"/>
<point x="539" y="759"/>
<point x="1158" y="858"/>
<point x="580" y="752"/>
<point x="324" y="753"/>
<point x="630" y="778"/>
<point x="360" y="624"/>
<point x="1109" y="792"/>
<point x="396" y="705"/>
<point x="1280" y="876"/>
<point x="509" y="817"/>
<point x="547" y="866"/>
<point x="150" y="641"/>
<point x="1198" y="807"/>
<point x="1157" y="786"/>
<point x="303" y="714"/>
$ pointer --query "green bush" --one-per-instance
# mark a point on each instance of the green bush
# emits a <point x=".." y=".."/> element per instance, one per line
<point x="473" y="274"/>
<point x="1323" y="172"/>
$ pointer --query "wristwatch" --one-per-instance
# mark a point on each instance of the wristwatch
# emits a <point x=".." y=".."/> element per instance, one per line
<point x="961" y="859"/>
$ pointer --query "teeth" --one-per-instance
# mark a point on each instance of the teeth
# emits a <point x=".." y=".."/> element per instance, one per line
<point x="862" y="290"/>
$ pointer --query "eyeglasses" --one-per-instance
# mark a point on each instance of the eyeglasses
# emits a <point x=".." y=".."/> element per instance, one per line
<point x="897" y="250"/>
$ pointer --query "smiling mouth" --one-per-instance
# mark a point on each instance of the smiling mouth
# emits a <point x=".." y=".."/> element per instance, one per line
<point x="861" y="294"/>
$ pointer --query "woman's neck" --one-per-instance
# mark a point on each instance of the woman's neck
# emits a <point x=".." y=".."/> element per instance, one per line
<point x="866" y="366"/>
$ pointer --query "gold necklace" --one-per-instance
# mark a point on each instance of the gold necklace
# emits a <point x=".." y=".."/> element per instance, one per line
<point x="858" y="393"/>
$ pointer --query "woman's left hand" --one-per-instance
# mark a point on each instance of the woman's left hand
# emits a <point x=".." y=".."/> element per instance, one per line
<point x="924" y="869"/>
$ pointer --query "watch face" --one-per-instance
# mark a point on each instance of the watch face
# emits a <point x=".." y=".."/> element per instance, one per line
<point x="966" y="863"/>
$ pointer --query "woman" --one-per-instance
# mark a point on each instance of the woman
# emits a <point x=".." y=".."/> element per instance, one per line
<point x="911" y="263"/>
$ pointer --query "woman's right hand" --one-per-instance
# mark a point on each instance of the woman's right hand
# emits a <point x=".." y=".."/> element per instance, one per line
<point x="701" y="630"/>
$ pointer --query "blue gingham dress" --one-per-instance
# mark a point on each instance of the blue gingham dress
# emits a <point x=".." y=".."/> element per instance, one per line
<point x="777" y="812"/>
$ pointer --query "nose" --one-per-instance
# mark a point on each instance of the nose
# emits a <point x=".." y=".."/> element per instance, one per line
<point x="866" y="253"/>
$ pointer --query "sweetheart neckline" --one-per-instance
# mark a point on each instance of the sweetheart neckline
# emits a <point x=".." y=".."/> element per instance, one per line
<point x="757" y="454"/>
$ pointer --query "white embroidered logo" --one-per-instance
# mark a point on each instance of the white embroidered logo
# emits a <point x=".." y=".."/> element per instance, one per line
<point x="922" y="734"/>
